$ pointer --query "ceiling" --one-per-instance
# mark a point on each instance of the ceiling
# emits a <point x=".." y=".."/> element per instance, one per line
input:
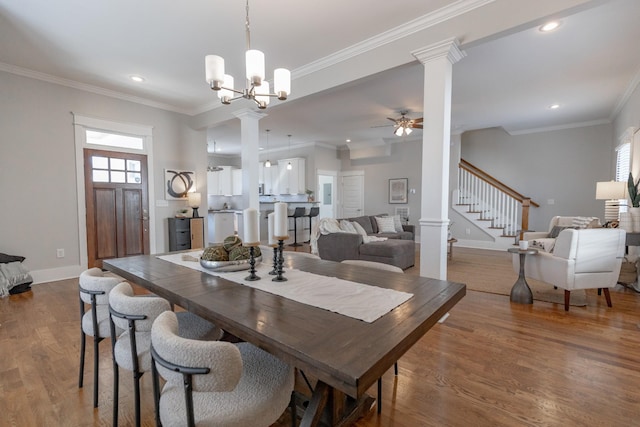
<point x="510" y="76"/>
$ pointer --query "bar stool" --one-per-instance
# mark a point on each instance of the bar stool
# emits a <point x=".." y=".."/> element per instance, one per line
<point x="313" y="212"/>
<point x="298" y="213"/>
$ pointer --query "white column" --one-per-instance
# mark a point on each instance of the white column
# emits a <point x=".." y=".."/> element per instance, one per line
<point x="438" y="60"/>
<point x="249" y="137"/>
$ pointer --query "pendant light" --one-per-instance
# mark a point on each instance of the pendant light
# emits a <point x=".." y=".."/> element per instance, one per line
<point x="214" y="168"/>
<point x="289" y="167"/>
<point x="267" y="164"/>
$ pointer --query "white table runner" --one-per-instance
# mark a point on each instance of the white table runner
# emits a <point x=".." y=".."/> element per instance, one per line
<point x="352" y="299"/>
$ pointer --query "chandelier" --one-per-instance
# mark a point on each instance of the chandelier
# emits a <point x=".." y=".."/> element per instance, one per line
<point x="257" y="88"/>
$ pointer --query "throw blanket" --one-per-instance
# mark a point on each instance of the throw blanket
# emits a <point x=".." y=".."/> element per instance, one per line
<point x="12" y="274"/>
<point x="332" y="225"/>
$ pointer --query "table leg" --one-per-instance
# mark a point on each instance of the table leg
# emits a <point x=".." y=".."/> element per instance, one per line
<point x="331" y="407"/>
<point x="521" y="293"/>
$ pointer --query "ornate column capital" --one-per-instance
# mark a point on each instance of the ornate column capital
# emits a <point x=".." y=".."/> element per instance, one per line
<point x="449" y="48"/>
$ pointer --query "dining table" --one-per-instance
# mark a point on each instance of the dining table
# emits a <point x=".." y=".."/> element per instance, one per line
<point x="343" y="355"/>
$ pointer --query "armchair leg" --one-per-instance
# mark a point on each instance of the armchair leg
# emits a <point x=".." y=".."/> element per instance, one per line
<point x="567" y="297"/>
<point x="607" y="295"/>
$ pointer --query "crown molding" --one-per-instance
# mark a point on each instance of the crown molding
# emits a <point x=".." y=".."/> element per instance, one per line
<point x="631" y="87"/>
<point x="559" y="127"/>
<point x="404" y="30"/>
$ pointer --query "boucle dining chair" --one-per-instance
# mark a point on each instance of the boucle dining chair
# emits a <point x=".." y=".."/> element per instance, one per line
<point x="94" y="290"/>
<point x="378" y="266"/>
<point x="131" y="349"/>
<point x="216" y="383"/>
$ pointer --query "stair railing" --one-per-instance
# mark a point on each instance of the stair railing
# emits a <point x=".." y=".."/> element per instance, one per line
<point x="493" y="200"/>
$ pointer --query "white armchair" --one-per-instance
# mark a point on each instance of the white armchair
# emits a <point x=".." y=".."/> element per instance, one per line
<point x="581" y="259"/>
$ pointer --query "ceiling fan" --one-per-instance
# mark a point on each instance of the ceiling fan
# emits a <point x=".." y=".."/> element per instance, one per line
<point x="403" y="125"/>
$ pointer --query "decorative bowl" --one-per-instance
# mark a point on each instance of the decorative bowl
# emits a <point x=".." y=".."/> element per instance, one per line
<point x="242" y="264"/>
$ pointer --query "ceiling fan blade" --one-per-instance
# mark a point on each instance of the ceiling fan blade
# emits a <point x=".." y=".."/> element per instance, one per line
<point x="416" y="126"/>
<point x="418" y="120"/>
<point x="393" y="120"/>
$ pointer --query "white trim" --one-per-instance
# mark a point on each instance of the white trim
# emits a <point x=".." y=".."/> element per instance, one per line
<point x="625" y="96"/>
<point x="81" y="124"/>
<point x="559" y="127"/>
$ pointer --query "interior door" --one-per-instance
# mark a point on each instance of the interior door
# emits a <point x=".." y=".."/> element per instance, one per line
<point x="117" y="205"/>
<point x="352" y="196"/>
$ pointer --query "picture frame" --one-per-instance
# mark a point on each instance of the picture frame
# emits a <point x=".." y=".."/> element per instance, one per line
<point x="178" y="183"/>
<point x="398" y="190"/>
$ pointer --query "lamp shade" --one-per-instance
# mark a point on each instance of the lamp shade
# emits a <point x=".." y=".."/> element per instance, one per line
<point x="227" y="93"/>
<point x="282" y="82"/>
<point x="194" y="199"/>
<point x="611" y="190"/>
<point x="262" y="94"/>
<point x="255" y="66"/>
<point x="214" y="69"/>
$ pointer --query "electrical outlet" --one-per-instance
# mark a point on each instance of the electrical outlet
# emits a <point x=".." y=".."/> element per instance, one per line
<point x="60" y="253"/>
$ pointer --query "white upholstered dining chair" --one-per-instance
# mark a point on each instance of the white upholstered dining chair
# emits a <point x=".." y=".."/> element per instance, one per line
<point x="216" y="383"/>
<point x="131" y="349"/>
<point x="94" y="290"/>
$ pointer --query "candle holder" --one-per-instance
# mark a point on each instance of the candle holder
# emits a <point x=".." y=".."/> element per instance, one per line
<point x="279" y="271"/>
<point x="274" y="271"/>
<point x="252" y="263"/>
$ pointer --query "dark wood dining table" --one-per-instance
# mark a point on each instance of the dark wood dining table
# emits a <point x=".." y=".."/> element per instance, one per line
<point x="344" y="354"/>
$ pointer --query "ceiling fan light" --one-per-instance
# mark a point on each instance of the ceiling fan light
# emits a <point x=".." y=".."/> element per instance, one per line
<point x="282" y="83"/>
<point x="255" y="66"/>
<point x="214" y="71"/>
<point x="399" y="130"/>
<point x="407" y="131"/>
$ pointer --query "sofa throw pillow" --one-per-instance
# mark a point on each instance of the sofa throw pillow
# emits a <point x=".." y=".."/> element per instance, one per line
<point x="545" y="245"/>
<point x="385" y="224"/>
<point x="580" y="221"/>
<point x="397" y="223"/>
<point x="361" y="231"/>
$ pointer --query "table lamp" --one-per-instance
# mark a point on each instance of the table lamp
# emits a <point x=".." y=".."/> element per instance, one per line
<point x="615" y="195"/>
<point x="194" y="202"/>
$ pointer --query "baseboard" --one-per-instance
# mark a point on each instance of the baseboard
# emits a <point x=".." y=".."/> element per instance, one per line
<point x="55" y="274"/>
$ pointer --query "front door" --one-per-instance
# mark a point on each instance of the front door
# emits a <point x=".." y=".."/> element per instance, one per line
<point x="117" y="205"/>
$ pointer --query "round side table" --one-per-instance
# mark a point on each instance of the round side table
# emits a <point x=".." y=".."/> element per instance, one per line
<point x="520" y="292"/>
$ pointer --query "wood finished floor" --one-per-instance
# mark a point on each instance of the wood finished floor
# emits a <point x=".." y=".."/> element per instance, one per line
<point x="491" y="363"/>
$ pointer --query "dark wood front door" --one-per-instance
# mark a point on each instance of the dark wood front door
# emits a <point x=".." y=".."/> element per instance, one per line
<point x="117" y="205"/>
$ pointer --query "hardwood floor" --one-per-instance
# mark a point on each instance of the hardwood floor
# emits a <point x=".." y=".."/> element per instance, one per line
<point x="491" y="363"/>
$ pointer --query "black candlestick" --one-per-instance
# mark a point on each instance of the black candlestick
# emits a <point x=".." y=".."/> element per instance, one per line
<point x="279" y="277"/>
<point x="252" y="262"/>
<point x="275" y="261"/>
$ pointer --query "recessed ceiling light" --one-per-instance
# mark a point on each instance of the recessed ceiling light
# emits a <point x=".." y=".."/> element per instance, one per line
<point x="137" y="79"/>
<point x="348" y="140"/>
<point x="554" y="106"/>
<point x="550" y="26"/>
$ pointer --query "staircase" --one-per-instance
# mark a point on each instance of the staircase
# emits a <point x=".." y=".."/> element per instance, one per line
<point x="497" y="210"/>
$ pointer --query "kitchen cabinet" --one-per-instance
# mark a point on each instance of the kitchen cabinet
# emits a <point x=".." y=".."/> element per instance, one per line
<point x="269" y="177"/>
<point x="221" y="225"/>
<point x="219" y="182"/>
<point x="291" y="181"/>
<point x="186" y="233"/>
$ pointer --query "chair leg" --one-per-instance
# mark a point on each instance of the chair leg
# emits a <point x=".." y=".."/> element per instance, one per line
<point x="116" y="391"/>
<point x="156" y="392"/>
<point x="607" y="295"/>
<point x="83" y="341"/>
<point x="567" y="298"/>
<point x="380" y="395"/>
<point x="136" y="388"/>
<point x="96" y="358"/>
<point x="395" y="368"/>
<point x="294" y="415"/>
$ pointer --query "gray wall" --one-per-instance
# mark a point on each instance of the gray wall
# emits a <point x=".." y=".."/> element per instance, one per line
<point x="562" y="166"/>
<point x="38" y="173"/>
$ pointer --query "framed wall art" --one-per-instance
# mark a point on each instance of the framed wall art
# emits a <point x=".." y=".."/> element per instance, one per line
<point x="398" y="189"/>
<point x="178" y="183"/>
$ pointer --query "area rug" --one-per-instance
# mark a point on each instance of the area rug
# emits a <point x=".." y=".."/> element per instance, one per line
<point x="486" y="272"/>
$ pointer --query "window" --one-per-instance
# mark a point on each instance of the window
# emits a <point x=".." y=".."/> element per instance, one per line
<point x="623" y="161"/>
<point x="114" y="140"/>
<point x="110" y="169"/>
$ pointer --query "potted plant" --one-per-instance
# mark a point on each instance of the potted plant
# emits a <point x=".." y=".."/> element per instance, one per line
<point x="633" y="191"/>
<point x="309" y="195"/>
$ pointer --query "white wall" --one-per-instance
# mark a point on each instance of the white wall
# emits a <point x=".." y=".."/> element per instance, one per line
<point x="38" y="211"/>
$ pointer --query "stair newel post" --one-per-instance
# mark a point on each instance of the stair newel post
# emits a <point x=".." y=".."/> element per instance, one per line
<point x="526" y="204"/>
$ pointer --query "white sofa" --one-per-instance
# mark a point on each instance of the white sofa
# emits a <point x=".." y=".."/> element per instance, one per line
<point x="581" y="259"/>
